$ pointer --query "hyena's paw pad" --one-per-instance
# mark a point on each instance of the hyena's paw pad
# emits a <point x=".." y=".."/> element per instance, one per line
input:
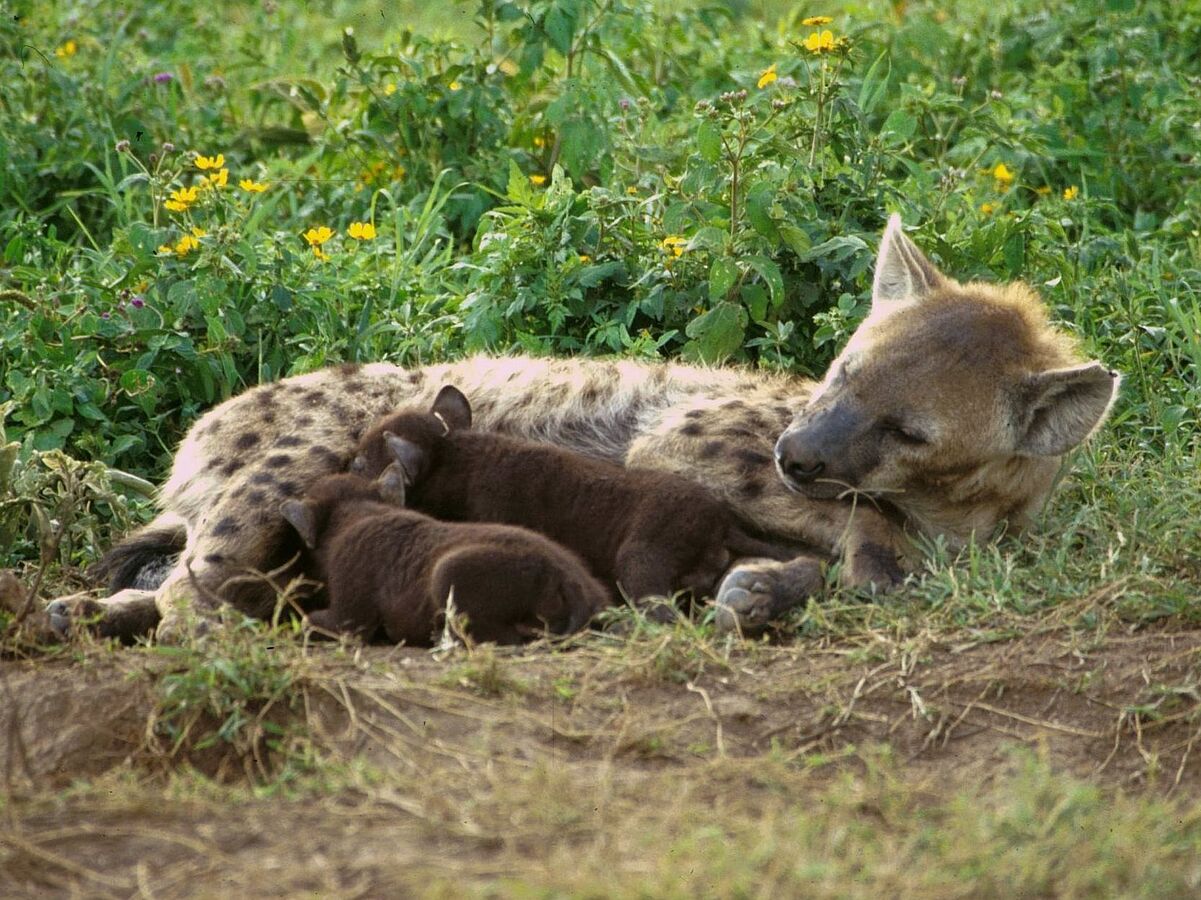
<point x="753" y="594"/>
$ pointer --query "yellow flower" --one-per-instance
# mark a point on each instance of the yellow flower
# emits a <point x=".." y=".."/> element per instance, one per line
<point x="210" y="162"/>
<point x="632" y="191"/>
<point x="253" y="187"/>
<point x="821" y="43"/>
<point x="389" y="88"/>
<point x="67" y="49"/>
<point x="1003" y="175"/>
<point x="198" y="232"/>
<point x="217" y="179"/>
<point x="318" y="236"/>
<point x="674" y="244"/>
<point x="539" y="141"/>
<point x="537" y="180"/>
<point x="186" y="245"/>
<point x="1071" y="193"/>
<point x="817" y="20"/>
<point x="361" y="231"/>
<point x="165" y="248"/>
<point x="585" y="258"/>
<point x="455" y="86"/>
<point x="1043" y="191"/>
<point x="767" y="76"/>
<point x="181" y="199"/>
<point x="508" y="67"/>
<point x="988" y="208"/>
<point x="320" y="254"/>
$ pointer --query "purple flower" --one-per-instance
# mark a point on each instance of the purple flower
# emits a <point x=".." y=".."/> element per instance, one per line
<point x="137" y="302"/>
<point x="104" y="315"/>
<point x="624" y="102"/>
<point x="162" y="77"/>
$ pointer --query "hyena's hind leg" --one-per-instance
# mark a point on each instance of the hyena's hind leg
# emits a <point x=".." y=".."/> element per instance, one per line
<point x="132" y="571"/>
<point x="126" y="615"/>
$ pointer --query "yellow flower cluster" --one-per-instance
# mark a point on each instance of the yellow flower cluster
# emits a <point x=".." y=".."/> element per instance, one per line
<point x="216" y="176"/>
<point x="181" y="199"/>
<point x="66" y="49"/>
<point x="185" y="245"/>
<point x="1003" y="175"/>
<point x="767" y="76"/>
<point x="813" y="21"/>
<point x="319" y="235"/>
<point x="674" y="244"/>
<point x="821" y="42"/>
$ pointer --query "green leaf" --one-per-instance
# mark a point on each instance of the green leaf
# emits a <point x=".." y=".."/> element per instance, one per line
<point x="754" y="297"/>
<point x="797" y="239"/>
<point x="591" y="276"/>
<point x="874" y="87"/>
<point x="708" y="141"/>
<point x="1015" y="254"/>
<point x="718" y="333"/>
<point x="559" y="26"/>
<point x="722" y="275"/>
<point x="759" y="200"/>
<point x="835" y="249"/>
<point x="898" y="127"/>
<point x="136" y="381"/>
<point x="581" y="145"/>
<point x="770" y="273"/>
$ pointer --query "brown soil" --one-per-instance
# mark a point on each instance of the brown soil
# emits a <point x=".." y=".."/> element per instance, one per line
<point x="440" y="768"/>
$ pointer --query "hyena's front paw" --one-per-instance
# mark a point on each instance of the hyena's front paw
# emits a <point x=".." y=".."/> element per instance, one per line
<point x="754" y="593"/>
<point x="872" y="565"/>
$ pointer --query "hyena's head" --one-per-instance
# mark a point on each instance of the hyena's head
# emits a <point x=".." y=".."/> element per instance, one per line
<point x="952" y="402"/>
<point x="399" y="448"/>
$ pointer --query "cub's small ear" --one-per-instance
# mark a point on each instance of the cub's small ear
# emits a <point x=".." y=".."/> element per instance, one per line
<point x="903" y="274"/>
<point x="391" y="485"/>
<point x="453" y="407"/>
<point x="301" y="516"/>
<point x="1058" y="409"/>
<point x="409" y="457"/>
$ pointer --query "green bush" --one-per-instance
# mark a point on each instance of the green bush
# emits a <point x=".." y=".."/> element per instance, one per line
<point x="568" y="176"/>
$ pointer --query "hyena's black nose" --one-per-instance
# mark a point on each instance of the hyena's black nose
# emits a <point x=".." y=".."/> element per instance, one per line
<point x="799" y="463"/>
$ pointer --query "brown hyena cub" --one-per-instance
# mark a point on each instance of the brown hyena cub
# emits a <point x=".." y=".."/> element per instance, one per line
<point x="394" y="569"/>
<point x="652" y="533"/>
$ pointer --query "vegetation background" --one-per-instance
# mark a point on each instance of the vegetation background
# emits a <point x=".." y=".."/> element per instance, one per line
<point x="195" y="198"/>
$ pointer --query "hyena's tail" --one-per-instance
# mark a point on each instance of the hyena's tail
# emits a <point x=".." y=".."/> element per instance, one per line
<point x="144" y="558"/>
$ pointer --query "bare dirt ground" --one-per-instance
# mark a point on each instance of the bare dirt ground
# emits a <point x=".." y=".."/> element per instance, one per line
<point x="390" y="769"/>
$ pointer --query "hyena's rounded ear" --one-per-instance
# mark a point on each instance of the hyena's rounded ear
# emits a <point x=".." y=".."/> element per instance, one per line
<point x="1058" y="409"/>
<point x="301" y="516"/>
<point x="903" y="274"/>
<point x="408" y="456"/>
<point x="452" y="407"/>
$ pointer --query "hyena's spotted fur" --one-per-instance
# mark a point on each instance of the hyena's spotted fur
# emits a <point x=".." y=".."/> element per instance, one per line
<point x="990" y="394"/>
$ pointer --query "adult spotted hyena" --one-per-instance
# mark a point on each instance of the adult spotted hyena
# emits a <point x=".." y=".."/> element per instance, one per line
<point x="946" y="414"/>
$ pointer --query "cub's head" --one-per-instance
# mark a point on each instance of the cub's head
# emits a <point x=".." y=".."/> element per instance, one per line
<point x="399" y="448"/>
<point x="310" y="515"/>
<point x="952" y="402"/>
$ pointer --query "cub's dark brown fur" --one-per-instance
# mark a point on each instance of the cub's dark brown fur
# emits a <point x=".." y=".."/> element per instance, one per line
<point x="652" y="533"/>
<point x="393" y="569"/>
